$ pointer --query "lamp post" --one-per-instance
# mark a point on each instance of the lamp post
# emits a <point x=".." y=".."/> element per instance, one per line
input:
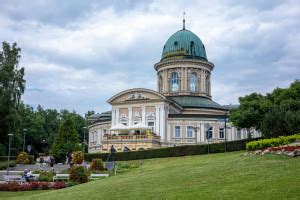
<point x="84" y="128"/>
<point x="8" y="157"/>
<point x="24" y="132"/>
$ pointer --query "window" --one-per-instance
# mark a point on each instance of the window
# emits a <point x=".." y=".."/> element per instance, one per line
<point x="177" y="132"/>
<point x="174" y="82"/>
<point x="190" y="132"/>
<point x="207" y="82"/>
<point x="209" y="133"/>
<point x="151" y="125"/>
<point x="238" y="134"/>
<point x="221" y="133"/>
<point x="193" y="82"/>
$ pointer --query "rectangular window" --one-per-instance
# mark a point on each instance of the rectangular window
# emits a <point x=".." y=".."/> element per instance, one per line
<point x="177" y="132"/>
<point x="151" y="125"/>
<point x="221" y="133"/>
<point x="190" y="132"/>
<point x="238" y="134"/>
<point x="209" y="133"/>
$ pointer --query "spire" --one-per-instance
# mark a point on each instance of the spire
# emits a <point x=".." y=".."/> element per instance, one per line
<point x="183" y="28"/>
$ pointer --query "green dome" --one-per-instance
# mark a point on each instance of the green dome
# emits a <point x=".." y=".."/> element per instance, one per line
<point x="184" y="44"/>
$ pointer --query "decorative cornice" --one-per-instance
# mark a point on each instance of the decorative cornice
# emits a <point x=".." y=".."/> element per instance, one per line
<point x="190" y="61"/>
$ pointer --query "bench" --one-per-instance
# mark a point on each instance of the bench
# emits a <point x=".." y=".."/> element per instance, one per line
<point x="34" y="177"/>
<point x="97" y="176"/>
<point x="16" y="178"/>
<point x="61" y="177"/>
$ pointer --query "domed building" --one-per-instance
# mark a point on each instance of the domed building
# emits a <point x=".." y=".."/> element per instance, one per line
<point x="180" y="112"/>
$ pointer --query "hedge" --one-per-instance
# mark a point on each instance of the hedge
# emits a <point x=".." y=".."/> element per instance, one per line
<point x="272" y="142"/>
<point x="176" y="151"/>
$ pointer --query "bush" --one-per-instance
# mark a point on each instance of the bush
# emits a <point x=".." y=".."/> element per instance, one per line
<point x="14" y="186"/>
<point x="78" y="157"/>
<point x="3" y="165"/>
<point x="79" y="174"/>
<point x="46" y="176"/>
<point x="272" y="142"/>
<point x="173" y="151"/>
<point x="23" y="158"/>
<point x="2" y="150"/>
<point x="97" y="164"/>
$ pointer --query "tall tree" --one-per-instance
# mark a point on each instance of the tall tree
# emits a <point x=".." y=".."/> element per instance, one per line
<point x="66" y="139"/>
<point x="12" y="86"/>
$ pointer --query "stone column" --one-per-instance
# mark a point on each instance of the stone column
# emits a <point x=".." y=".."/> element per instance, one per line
<point x="98" y="136"/>
<point x="113" y="116"/>
<point x="162" y="123"/>
<point x="157" y="120"/>
<point x="130" y="116"/>
<point x="144" y="115"/>
<point x="202" y="133"/>
<point x="198" y="136"/>
<point x="117" y="115"/>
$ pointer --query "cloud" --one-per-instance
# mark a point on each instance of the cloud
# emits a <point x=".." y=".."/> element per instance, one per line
<point x="78" y="55"/>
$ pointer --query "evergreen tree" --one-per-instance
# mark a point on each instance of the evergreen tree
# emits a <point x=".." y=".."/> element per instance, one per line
<point x="66" y="139"/>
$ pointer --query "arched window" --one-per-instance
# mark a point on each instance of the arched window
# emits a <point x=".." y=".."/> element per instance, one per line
<point x="207" y="84"/>
<point x="174" y="82"/>
<point x="193" y="82"/>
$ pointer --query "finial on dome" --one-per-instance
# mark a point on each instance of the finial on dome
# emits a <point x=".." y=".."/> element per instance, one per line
<point x="183" y="28"/>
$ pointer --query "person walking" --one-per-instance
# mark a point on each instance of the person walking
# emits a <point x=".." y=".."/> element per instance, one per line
<point x="52" y="161"/>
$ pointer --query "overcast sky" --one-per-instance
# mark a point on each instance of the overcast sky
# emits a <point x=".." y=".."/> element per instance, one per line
<point x="77" y="54"/>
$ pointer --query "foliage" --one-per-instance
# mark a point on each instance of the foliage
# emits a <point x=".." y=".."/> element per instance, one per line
<point x="23" y="158"/>
<point x="278" y="122"/>
<point x="3" y="164"/>
<point x="46" y="176"/>
<point x="71" y="183"/>
<point x="272" y="142"/>
<point x="2" y="150"/>
<point x="14" y="186"/>
<point x="12" y="86"/>
<point x="172" y="151"/>
<point x="66" y="139"/>
<point x="214" y="176"/>
<point x="78" y="157"/>
<point x="274" y="114"/>
<point x="78" y="174"/>
<point x="97" y="164"/>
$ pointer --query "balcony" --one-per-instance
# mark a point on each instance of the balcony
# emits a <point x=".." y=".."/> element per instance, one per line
<point x="131" y="138"/>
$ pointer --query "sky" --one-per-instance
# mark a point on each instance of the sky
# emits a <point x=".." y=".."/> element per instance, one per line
<point x="77" y="54"/>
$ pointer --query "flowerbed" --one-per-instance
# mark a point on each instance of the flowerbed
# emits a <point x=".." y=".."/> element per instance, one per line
<point x="14" y="186"/>
<point x="292" y="151"/>
<point x="272" y="142"/>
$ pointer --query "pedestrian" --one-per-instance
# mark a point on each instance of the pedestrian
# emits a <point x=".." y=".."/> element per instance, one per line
<point x="52" y="161"/>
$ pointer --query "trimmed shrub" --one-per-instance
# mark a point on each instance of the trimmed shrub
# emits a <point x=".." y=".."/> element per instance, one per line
<point x="78" y="157"/>
<point x="97" y="164"/>
<point x="46" y="176"/>
<point x="79" y="174"/>
<point x="173" y="151"/>
<point x="23" y="158"/>
<point x="272" y="142"/>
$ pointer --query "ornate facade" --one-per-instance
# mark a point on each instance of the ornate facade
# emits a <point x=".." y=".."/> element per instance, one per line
<point x="180" y="112"/>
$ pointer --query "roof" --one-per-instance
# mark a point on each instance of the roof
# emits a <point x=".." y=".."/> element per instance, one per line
<point x="184" y="44"/>
<point x="105" y="116"/>
<point x="196" y="102"/>
<point x="231" y="107"/>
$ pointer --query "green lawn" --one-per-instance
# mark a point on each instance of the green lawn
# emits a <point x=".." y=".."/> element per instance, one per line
<point x="215" y="176"/>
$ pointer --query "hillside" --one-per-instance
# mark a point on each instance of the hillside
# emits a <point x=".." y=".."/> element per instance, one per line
<point x="215" y="176"/>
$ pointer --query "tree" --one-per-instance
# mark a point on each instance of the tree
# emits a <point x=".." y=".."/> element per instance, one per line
<point x="250" y="112"/>
<point x="274" y="114"/>
<point x="12" y="86"/>
<point x="65" y="140"/>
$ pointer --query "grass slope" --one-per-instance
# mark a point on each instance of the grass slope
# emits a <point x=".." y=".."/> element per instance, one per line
<point x="215" y="176"/>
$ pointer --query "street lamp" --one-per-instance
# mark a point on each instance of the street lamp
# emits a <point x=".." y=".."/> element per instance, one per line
<point x="8" y="157"/>
<point x="24" y="132"/>
<point x="84" y="128"/>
